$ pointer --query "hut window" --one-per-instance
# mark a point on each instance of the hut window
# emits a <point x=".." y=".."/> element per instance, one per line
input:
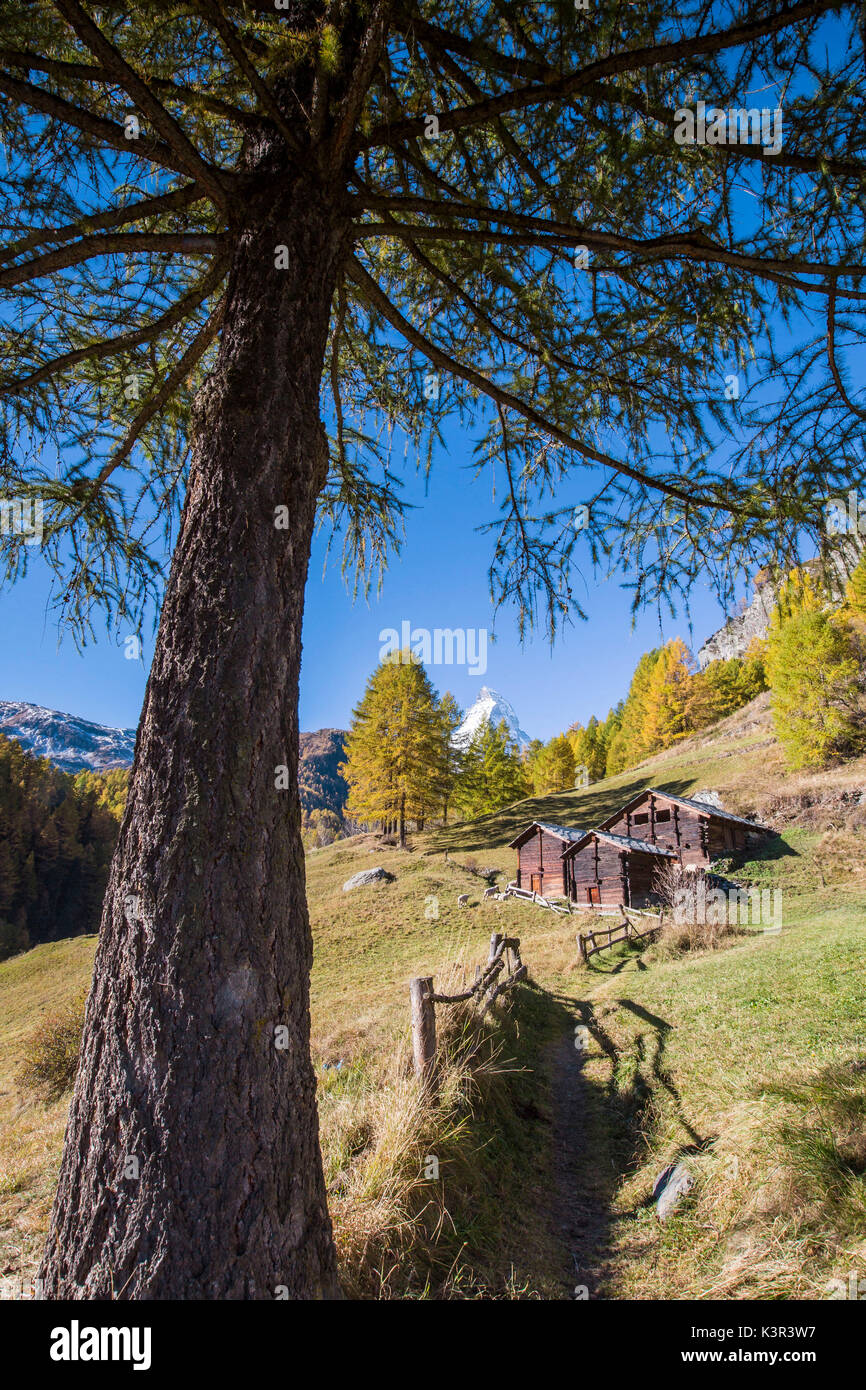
<point x="642" y="818"/>
<point x="663" y="815"/>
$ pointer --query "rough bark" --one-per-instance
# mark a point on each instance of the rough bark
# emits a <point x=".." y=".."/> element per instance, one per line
<point x="196" y="1065"/>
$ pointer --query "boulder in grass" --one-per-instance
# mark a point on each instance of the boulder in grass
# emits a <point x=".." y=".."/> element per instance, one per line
<point x="671" y="1186"/>
<point x="366" y="877"/>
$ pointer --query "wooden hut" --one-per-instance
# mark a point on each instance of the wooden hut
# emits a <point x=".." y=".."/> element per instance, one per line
<point x="696" y="831"/>
<point x="539" y="857"/>
<point x="604" y="870"/>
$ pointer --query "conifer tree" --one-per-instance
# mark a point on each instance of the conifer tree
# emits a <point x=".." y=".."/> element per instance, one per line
<point x="629" y="744"/>
<point x="668" y="696"/>
<point x="816" y="684"/>
<point x="493" y="773"/>
<point x="450" y="716"/>
<point x="243" y="247"/>
<point x="396" y="756"/>
<point x="589" y="746"/>
<point x="855" y="592"/>
<point x="553" y="769"/>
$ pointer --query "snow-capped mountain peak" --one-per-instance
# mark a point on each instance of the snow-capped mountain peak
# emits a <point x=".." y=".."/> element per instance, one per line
<point x="489" y="707"/>
<point x="72" y="744"/>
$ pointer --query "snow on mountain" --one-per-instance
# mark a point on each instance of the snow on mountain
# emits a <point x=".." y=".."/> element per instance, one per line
<point x="72" y="744"/>
<point x="490" y="706"/>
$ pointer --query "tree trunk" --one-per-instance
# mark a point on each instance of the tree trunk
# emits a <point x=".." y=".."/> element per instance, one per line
<point x="191" y="1167"/>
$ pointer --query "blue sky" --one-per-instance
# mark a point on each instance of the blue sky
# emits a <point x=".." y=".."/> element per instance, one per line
<point x="440" y="580"/>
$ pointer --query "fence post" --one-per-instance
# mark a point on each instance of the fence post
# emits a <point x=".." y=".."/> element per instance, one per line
<point x="581" y="945"/>
<point x="494" y="946"/>
<point x="423" y="1028"/>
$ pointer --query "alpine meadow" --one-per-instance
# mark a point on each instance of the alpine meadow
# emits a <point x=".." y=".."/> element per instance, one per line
<point x="257" y="262"/>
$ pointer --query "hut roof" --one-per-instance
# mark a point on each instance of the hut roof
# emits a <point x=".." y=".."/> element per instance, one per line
<point x="704" y="807"/>
<point x="627" y="842"/>
<point x="561" y="832"/>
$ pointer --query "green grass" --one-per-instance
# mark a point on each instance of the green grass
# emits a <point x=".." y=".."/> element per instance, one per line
<point x="729" y="1047"/>
<point x="744" y="1061"/>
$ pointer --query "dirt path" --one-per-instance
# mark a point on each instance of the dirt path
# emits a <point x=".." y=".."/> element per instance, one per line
<point x="583" y="1175"/>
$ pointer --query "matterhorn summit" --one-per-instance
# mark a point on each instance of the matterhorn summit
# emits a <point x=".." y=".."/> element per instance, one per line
<point x="490" y="707"/>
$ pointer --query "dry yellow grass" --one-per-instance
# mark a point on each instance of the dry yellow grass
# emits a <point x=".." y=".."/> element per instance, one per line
<point x="686" y="1053"/>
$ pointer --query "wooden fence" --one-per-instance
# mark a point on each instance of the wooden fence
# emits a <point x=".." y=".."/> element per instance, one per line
<point x="512" y="891"/>
<point x="504" y="955"/>
<point x="588" y="942"/>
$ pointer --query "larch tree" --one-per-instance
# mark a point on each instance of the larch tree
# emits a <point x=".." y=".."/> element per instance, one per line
<point x="396" y="749"/>
<point x="816" y="676"/>
<point x="492" y="773"/>
<point x="628" y="744"/>
<point x="244" y="248"/>
<point x="855" y="592"/>
<point x="553" y="769"/>
<point x="442" y="784"/>
<point x="668" y="697"/>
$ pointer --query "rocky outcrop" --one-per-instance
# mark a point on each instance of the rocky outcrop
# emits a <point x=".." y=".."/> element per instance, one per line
<point x="753" y="623"/>
<point x="366" y="877"/>
<point x="740" y="631"/>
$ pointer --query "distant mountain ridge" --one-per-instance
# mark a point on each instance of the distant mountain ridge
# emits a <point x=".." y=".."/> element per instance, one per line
<point x="79" y="745"/>
<point x="321" y="785"/>
<point x="70" y="743"/>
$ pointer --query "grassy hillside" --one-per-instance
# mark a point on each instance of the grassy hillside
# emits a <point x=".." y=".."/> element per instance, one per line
<point x="748" y="1062"/>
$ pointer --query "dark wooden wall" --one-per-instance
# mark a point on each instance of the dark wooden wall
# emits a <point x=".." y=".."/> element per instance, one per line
<point x="601" y="866"/>
<point x="542" y="854"/>
<point x="696" y="838"/>
<point x="620" y="876"/>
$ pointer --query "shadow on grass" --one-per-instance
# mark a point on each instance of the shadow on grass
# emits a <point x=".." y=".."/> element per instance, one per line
<point x="579" y="809"/>
<point x="547" y="1137"/>
<point x="772" y="849"/>
<point x="600" y="1117"/>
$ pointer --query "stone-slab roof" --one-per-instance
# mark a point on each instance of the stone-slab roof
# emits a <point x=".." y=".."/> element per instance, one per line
<point x="630" y="843"/>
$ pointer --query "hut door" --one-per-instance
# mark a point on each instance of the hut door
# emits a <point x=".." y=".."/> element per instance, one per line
<point x="592" y="894"/>
<point x="535" y="883"/>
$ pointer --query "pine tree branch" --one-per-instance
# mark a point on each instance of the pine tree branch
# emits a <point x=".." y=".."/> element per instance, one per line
<point x="123" y="342"/>
<point x="133" y="212"/>
<point x="807" y="164"/>
<point x="376" y="296"/>
<point x="90" y="246"/>
<point x="627" y="60"/>
<point x="89" y="72"/>
<point x="508" y="141"/>
<point x="831" y="353"/>
<point x="234" y="46"/>
<point x="692" y="246"/>
<point x="501" y="334"/>
<point x="365" y="65"/>
<point x="172" y="133"/>
<point x="475" y="50"/>
<point x="105" y="132"/>
<point x="196" y="350"/>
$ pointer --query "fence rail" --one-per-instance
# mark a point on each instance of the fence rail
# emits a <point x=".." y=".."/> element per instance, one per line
<point x="588" y="945"/>
<point x="512" y="891"/>
<point x="504" y="955"/>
